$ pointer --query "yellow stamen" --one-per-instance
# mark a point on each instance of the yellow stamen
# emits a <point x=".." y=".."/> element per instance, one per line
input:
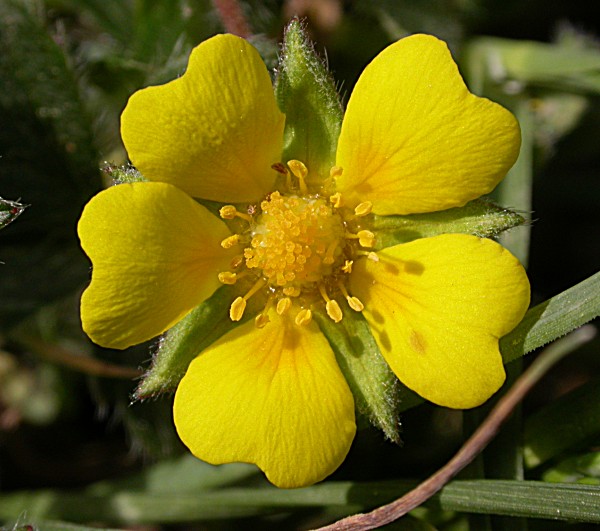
<point x="333" y="308"/>
<point x="329" y="257"/>
<point x="230" y="241"/>
<point x="366" y="238"/>
<point x="363" y="209"/>
<point x="335" y="171"/>
<point x="369" y="254"/>
<point x="334" y="311"/>
<point x="353" y="302"/>
<point x="336" y="200"/>
<point x="300" y="171"/>
<point x="347" y="267"/>
<point x="237" y="261"/>
<point x="258" y="284"/>
<point x="237" y="309"/>
<point x="292" y="291"/>
<point x="230" y="212"/>
<point x="261" y="320"/>
<point x="227" y="277"/>
<point x="279" y="167"/>
<point x="303" y="317"/>
<point x="227" y="212"/>
<point x="283" y="305"/>
<point x="239" y="305"/>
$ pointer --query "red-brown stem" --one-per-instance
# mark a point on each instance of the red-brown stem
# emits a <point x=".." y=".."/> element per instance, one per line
<point x="233" y="18"/>
<point x="475" y="444"/>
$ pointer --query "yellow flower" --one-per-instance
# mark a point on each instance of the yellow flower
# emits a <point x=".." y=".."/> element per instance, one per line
<point x="270" y="392"/>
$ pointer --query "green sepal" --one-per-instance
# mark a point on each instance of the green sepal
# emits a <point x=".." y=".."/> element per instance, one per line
<point x="480" y="218"/>
<point x="306" y="94"/>
<point x="9" y="211"/>
<point x="377" y="392"/>
<point x="125" y="173"/>
<point x="187" y="339"/>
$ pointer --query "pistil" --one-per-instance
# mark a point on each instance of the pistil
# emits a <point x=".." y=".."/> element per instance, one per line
<point x="296" y="245"/>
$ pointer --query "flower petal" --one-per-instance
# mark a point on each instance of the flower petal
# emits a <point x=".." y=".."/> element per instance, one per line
<point x="437" y="307"/>
<point x="155" y="253"/>
<point x="215" y="131"/>
<point x="415" y="140"/>
<point x="273" y="396"/>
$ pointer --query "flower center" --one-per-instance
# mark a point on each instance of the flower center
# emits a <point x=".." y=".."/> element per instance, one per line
<point x="299" y="248"/>
<point x="297" y="241"/>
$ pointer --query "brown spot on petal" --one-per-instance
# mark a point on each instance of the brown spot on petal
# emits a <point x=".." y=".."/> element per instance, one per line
<point x="417" y="342"/>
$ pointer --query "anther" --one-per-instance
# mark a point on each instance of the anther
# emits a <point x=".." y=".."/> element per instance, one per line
<point x="261" y="320"/>
<point x="303" y="317"/>
<point x="230" y="241"/>
<point x="279" y="167"/>
<point x="365" y="237"/>
<point x="227" y="277"/>
<point x="353" y="302"/>
<point x="336" y="200"/>
<point x="227" y="212"/>
<point x="292" y="291"/>
<point x="239" y="305"/>
<point x="283" y="305"/>
<point x="335" y="171"/>
<point x="334" y="311"/>
<point x="237" y="308"/>
<point x="300" y="171"/>
<point x="347" y="267"/>
<point x="363" y="209"/>
<point x="369" y="254"/>
<point x="237" y="261"/>
<point x="230" y="212"/>
<point x="333" y="308"/>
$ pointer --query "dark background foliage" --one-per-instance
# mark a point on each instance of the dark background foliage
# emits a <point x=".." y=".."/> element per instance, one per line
<point x="67" y="68"/>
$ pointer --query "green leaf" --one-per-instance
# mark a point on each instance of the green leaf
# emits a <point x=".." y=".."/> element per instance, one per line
<point x="9" y="211"/>
<point x="561" y="66"/>
<point x="25" y="524"/>
<point x="583" y="469"/>
<point x="40" y="77"/>
<point x="553" y="318"/>
<point x="533" y="499"/>
<point x="306" y="94"/>
<point x="188" y="338"/>
<point x="183" y="474"/>
<point x="373" y="384"/>
<point x="47" y="159"/>
<point x="530" y="499"/>
<point x="574" y="418"/>
<point x="515" y="188"/>
<point x="480" y="217"/>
